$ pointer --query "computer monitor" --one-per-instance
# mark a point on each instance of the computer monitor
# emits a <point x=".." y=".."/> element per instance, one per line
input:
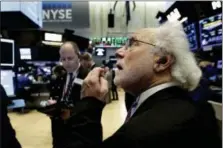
<point x="190" y="31"/>
<point x="7" y="82"/>
<point x="7" y="52"/>
<point x="47" y="70"/>
<point x="25" y="54"/>
<point x="219" y="64"/>
<point x="211" y="31"/>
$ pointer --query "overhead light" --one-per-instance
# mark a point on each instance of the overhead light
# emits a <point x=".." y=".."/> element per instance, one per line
<point x="53" y="37"/>
<point x="52" y="43"/>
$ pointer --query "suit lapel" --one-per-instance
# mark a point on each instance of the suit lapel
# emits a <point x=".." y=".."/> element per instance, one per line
<point x="158" y="97"/>
<point x="63" y="83"/>
<point x="82" y="73"/>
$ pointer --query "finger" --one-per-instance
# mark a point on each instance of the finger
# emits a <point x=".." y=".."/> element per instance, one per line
<point x="104" y="84"/>
<point x="106" y="70"/>
<point x="95" y="75"/>
<point x="90" y="75"/>
<point x="97" y="72"/>
<point x="87" y="79"/>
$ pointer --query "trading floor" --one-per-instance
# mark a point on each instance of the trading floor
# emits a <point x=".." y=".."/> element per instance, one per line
<point x="33" y="129"/>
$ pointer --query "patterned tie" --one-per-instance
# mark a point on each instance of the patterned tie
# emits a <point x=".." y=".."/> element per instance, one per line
<point x="69" y="87"/>
<point x="131" y="110"/>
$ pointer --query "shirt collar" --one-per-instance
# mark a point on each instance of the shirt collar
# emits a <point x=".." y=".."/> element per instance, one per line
<point x="75" y="72"/>
<point x="151" y="91"/>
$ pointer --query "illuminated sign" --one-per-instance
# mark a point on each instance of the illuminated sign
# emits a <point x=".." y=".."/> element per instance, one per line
<point x="109" y="41"/>
<point x="216" y="5"/>
<point x="57" y="11"/>
<point x="100" y="52"/>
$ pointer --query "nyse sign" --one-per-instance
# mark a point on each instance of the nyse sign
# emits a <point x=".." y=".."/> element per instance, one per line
<point x="57" y="12"/>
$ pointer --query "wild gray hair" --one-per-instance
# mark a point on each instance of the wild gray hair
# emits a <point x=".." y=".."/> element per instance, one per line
<point x="171" y="38"/>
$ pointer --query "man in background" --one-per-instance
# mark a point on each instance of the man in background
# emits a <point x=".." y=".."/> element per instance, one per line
<point x="66" y="92"/>
<point x="114" y="87"/>
<point x="87" y="61"/>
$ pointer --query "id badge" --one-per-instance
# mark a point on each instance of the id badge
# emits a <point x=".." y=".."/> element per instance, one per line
<point x="78" y="81"/>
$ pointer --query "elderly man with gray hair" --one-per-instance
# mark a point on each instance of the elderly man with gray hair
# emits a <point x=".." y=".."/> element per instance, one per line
<point x="157" y="67"/>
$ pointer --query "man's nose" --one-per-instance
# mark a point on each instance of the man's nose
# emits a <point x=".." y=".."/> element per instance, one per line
<point x="120" y="53"/>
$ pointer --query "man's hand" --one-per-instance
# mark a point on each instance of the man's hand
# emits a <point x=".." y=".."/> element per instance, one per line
<point x="95" y="85"/>
<point x="51" y="102"/>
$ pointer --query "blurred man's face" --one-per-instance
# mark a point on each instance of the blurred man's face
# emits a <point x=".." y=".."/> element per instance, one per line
<point x="86" y="64"/>
<point x="69" y="58"/>
<point x="135" y="62"/>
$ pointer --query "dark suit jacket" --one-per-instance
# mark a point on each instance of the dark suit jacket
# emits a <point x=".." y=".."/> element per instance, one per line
<point x="8" y="135"/>
<point x="58" y="87"/>
<point x="59" y="128"/>
<point x="169" y="118"/>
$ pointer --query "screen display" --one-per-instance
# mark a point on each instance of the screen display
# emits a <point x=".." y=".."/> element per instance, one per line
<point x="47" y="70"/>
<point x="100" y="52"/>
<point x="109" y="41"/>
<point x="25" y="53"/>
<point x="7" y="52"/>
<point x="211" y="31"/>
<point x="190" y="31"/>
<point x="7" y="81"/>
<point x="43" y="70"/>
<point x="219" y="64"/>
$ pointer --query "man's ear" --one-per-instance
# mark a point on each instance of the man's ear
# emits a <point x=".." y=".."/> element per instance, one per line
<point x="162" y="63"/>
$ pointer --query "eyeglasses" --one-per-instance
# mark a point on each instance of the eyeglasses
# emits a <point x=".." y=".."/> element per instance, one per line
<point x="131" y="41"/>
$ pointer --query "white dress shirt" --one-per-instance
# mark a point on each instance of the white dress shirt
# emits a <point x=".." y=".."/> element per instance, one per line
<point x="75" y="73"/>
<point x="149" y="92"/>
